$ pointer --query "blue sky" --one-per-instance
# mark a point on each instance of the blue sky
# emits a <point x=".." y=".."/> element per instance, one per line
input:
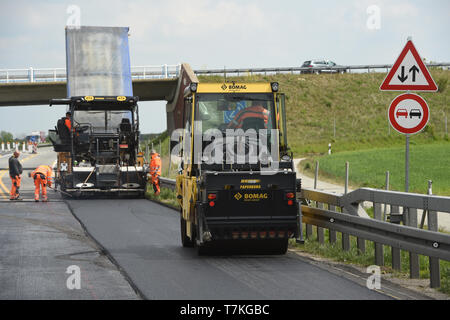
<point x="214" y="34"/>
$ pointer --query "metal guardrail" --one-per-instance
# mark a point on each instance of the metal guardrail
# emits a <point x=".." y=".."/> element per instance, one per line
<point x="341" y="69"/>
<point x="325" y="210"/>
<point x="173" y="71"/>
<point x="59" y="74"/>
<point x="167" y="183"/>
<point x="344" y="213"/>
<point x="432" y="244"/>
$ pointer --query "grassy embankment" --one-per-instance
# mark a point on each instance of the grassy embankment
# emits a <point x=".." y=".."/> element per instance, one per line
<point x="368" y="167"/>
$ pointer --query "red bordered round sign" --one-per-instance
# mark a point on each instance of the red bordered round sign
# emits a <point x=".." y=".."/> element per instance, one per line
<point x="408" y="113"/>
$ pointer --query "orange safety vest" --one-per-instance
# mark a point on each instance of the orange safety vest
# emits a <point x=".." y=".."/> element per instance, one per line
<point x="67" y="123"/>
<point x="46" y="171"/>
<point x="251" y="112"/>
<point x="155" y="165"/>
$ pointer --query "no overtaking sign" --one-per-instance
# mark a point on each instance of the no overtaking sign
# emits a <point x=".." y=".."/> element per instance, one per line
<point x="408" y="113"/>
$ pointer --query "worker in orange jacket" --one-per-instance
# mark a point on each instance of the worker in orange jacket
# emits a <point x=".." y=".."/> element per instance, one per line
<point x="67" y="121"/>
<point x="256" y="110"/>
<point x="155" y="171"/>
<point x="42" y="176"/>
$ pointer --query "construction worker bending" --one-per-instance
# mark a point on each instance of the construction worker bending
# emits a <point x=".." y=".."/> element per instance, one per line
<point x="155" y="171"/>
<point x="15" y="170"/>
<point x="42" y="176"/>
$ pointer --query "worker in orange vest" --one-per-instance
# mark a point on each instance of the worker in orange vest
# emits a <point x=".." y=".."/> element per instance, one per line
<point x="42" y="176"/>
<point x="67" y="121"/>
<point x="255" y="111"/>
<point x="155" y="171"/>
<point x="15" y="170"/>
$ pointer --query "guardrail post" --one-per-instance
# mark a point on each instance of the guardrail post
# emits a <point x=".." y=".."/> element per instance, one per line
<point x="346" y="237"/>
<point x="7" y="76"/>
<point x="413" y="257"/>
<point x="345" y="242"/>
<point x="435" y="272"/>
<point x="395" y="252"/>
<point x="379" y="254"/>
<point x="309" y="228"/>
<point x="300" y="224"/>
<point x="309" y="231"/>
<point x="387" y="189"/>
<point x="332" y="233"/>
<point x="320" y="232"/>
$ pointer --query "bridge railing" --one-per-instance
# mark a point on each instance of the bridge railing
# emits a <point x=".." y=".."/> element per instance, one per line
<point x="59" y="74"/>
<point x="336" y="69"/>
<point x="344" y="213"/>
<point x="172" y="71"/>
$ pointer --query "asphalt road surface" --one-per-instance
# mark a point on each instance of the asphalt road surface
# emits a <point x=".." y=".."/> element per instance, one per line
<point x="143" y="237"/>
<point x="40" y="241"/>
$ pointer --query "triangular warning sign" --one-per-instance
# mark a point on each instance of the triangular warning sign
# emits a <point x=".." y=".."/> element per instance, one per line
<point x="409" y="73"/>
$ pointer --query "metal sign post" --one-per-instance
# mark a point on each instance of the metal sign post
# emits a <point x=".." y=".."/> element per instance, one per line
<point x="408" y="114"/>
<point x="407" y="164"/>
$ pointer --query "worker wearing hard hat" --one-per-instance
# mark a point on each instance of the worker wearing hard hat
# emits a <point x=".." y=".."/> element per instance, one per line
<point x="42" y="176"/>
<point x="15" y="170"/>
<point x="155" y="171"/>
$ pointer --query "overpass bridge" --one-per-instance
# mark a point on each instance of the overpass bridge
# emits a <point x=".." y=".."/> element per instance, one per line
<point x="25" y="87"/>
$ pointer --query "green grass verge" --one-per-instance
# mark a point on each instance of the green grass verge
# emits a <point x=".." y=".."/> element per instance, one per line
<point x="166" y="196"/>
<point x="367" y="168"/>
<point x="354" y="256"/>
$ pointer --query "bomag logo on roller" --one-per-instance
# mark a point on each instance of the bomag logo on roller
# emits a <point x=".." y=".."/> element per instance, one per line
<point x="234" y="86"/>
<point x="251" y="196"/>
<point x="256" y="196"/>
<point x="237" y="87"/>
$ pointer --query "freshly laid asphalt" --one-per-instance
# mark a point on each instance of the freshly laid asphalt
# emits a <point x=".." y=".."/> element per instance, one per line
<point x="144" y="238"/>
<point x="132" y="250"/>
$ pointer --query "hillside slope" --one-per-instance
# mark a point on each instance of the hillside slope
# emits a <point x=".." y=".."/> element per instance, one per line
<point x="354" y="102"/>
